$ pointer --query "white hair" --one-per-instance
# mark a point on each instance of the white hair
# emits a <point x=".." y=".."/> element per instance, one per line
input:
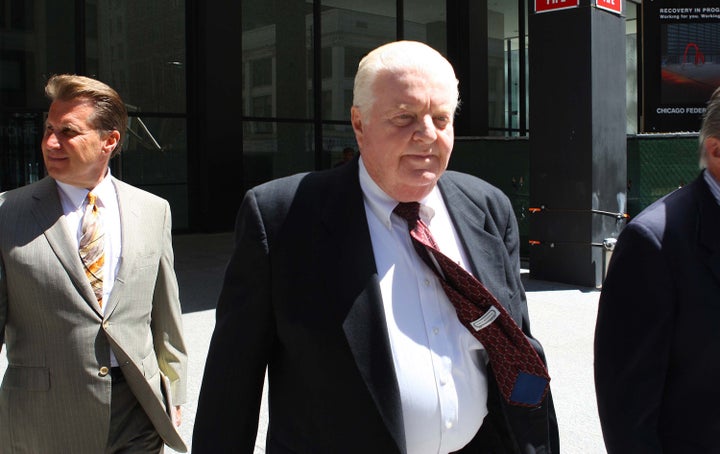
<point x="396" y="57"/>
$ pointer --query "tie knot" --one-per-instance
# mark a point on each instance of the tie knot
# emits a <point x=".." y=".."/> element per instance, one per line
<point x="410" y="211"/>
<point x="92" y="198"/>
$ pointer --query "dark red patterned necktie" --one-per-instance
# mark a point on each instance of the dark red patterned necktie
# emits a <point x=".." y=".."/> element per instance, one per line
<point x="520" y="373"/>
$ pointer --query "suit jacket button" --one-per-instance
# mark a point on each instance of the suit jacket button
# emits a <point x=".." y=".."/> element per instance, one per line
<point x="104" y="371"/>
<point x="105" y="324"/>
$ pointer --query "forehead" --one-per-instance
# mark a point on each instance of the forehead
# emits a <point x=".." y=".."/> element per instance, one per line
<point x="78" y="110"/>
<point x="411" y="87"/>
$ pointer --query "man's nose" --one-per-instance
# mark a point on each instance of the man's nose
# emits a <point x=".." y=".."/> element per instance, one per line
<point x="51" y="141"/>
<point x="426" y="130"/>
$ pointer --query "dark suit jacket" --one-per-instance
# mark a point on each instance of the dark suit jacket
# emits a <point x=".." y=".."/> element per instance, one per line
<point x="658" y="337"/>
<point x="301" y="296"/>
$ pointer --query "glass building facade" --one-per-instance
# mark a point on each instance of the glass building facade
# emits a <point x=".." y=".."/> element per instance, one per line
<point x="226" y="96"/>
<point x="136" y="47"/>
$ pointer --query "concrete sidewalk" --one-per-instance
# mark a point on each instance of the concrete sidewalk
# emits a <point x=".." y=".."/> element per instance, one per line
<point x="562" y="318"/>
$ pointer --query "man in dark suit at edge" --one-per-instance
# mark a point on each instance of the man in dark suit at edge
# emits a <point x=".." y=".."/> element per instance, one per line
<point x="364" y="350"/>
<point x="657" y="339"/>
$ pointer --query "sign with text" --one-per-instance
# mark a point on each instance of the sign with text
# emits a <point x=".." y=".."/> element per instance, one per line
<point x="680" y="46"/>
<point x="614" y="6"/>
<point x="542" y="6"/>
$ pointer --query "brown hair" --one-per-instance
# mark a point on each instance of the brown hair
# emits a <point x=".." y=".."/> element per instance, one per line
<point x="110" y="112"/>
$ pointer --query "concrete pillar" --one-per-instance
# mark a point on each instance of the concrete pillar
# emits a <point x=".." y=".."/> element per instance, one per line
<point x="577" y="140"/>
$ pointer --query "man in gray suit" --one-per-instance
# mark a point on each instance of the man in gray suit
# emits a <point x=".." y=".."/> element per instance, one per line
<point x="97" y="361"/>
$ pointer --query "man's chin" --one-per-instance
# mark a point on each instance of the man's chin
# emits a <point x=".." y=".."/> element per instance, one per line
<point x="63" y="177"/>
<point x="416" y="189"/>
<point x="57" y="169"/>
<point x="425" y="177"/>
<point x="54" y="172"/>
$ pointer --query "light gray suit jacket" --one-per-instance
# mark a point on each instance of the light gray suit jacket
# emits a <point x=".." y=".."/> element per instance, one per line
<point x="55" y="395"/>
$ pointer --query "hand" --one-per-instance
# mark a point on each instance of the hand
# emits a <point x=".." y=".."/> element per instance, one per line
<point x="177" y="416"/>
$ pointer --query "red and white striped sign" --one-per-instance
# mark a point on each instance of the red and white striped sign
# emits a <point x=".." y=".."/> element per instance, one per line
<point x="614" y="6"/>
<point x="542" y="6"/>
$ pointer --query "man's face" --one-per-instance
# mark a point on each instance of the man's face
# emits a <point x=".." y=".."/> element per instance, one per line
<point x="712" y="154"/>
<point x="407" y="136"/>
<point x="73" y="150"/>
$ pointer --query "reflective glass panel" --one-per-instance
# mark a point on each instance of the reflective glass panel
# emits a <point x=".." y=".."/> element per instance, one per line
<point x="350" y="29"/>
<point x="20" y="155"/>
<point x="37" y="38"/>
<point x="425" y="21"/>
<point x="138" y="48"/>
<point x="277" y="59"/>
<point x="275" y="149"/>
<point x="154" y="157"/>
<point x="631" y="66"/>
<point x="503" y="66"/>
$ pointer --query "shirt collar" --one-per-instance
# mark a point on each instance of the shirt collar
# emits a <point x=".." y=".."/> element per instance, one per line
<point x="382" y="205"/>
<point x="713" y="184"/>
<point x="105" y="190"/>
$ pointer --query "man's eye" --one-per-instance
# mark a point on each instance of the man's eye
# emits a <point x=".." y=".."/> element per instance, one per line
<point x="69" y="132"/>
<point x="403" y="119"/>
<point x="441" y="122"/>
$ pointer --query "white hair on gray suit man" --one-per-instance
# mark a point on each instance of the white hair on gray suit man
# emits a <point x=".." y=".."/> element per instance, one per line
<point x="396" y="57"/>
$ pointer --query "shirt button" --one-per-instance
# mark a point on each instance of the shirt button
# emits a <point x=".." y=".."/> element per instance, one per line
<point x="427" y="282"/>
<point x="448" y="424"/>
<point x="436" y="331"/>
<point x="104" y="371"/>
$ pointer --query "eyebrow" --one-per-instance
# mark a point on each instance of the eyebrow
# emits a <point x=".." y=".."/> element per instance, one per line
<point x="404" y="106"/>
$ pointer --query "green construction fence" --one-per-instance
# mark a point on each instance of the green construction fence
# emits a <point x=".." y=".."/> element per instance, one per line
<point x="657" y="164"/>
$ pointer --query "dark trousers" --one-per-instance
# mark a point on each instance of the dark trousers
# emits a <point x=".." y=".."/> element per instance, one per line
<point x="131" y="431"/>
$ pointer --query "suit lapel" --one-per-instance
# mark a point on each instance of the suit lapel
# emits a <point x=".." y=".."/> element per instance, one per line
<point x="469" y="220"/>
<point x="129" y="228"/>
<point x="48" y="212"/>
<point x="365" y="327"/>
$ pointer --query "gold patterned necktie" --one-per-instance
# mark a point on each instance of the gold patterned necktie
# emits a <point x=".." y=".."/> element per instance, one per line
<point x="519" y="371"/>
<point x="92" y="246"/>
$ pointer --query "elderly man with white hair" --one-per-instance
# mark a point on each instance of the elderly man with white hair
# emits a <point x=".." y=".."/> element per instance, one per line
<point x="383" y="296"/>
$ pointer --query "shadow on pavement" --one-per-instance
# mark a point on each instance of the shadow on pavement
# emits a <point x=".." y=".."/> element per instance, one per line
<point x="535" y="285"/>
<point x="200" y="261"/>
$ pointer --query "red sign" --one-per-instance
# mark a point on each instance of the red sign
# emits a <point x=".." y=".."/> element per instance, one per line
<point x="614" y="6"/>
<point x="542" y="6"/>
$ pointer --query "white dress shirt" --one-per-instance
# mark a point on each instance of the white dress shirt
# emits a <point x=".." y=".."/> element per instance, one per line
<point x="74" y="201"/>
<point x="440" y="366"/>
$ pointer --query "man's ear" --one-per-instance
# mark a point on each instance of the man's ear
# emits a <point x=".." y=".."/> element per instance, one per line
<point x="112" y="140"/>
<point x="712" y="156"/>
<point x="357" y="124"/>
<point x="712" y="147"/>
